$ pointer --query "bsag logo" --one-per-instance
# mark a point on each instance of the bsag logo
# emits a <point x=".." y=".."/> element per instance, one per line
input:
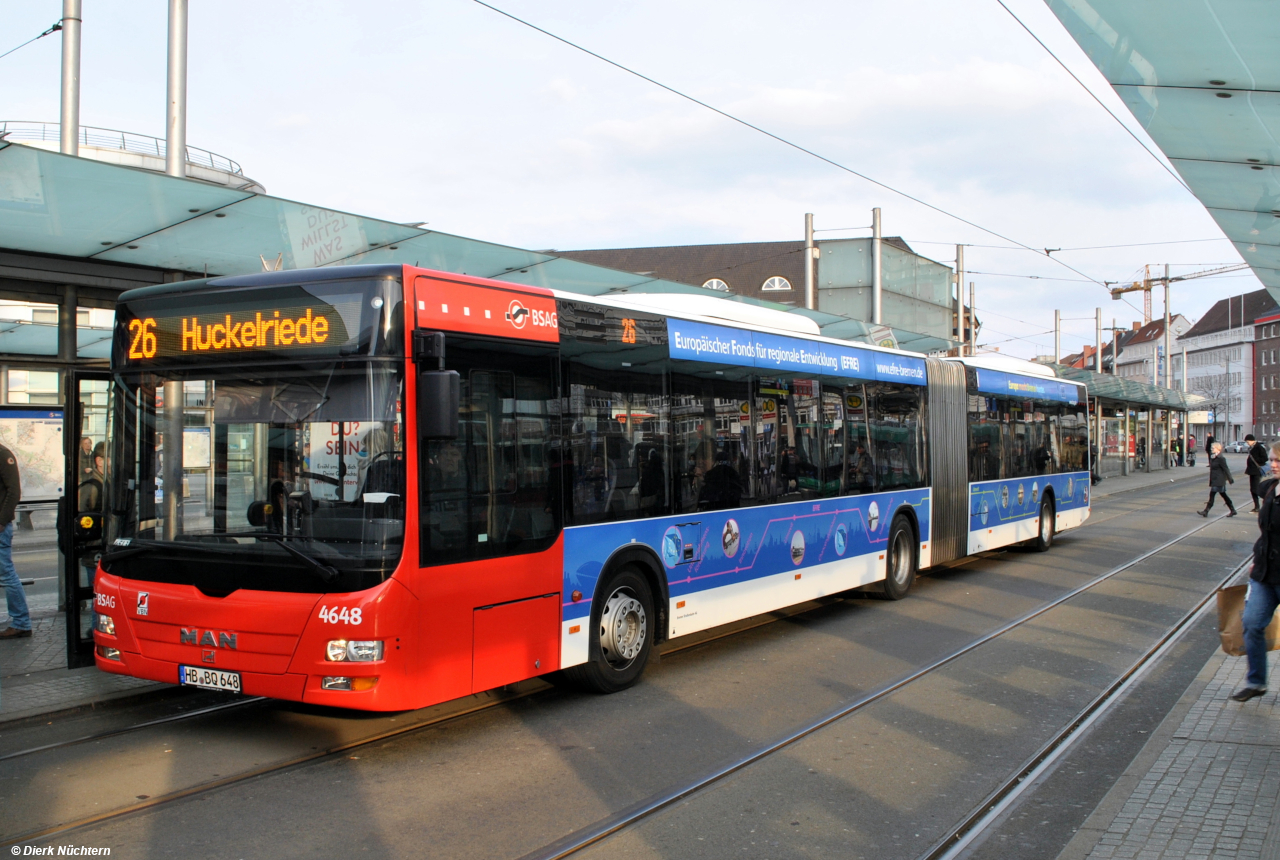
<point x="193" y="636"/>
<point x="518" y="315"/>
<point x="144" y="604"/>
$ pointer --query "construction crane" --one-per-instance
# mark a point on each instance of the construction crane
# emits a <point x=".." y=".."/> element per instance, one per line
<point x="1148" y="282"/>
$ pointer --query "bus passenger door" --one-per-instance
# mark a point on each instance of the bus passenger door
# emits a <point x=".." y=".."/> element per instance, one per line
<point x="83" y="505"/>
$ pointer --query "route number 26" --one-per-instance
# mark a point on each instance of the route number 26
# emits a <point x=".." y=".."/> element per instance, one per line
<point x="332" y="615"/>
<point x="143" y="344"/>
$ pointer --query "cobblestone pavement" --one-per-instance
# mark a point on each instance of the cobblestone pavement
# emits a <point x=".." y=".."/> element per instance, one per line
<point x="1214" y="791"/>
<point x="34" y="678"/>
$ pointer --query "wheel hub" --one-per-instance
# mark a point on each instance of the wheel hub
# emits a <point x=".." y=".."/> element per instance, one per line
<point x="623" y="628"/>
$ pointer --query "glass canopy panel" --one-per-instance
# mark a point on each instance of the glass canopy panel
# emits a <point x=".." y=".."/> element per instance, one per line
<point x="1220" y="185"/>
<point x="24" y="338"/>
<point x="230" y="241"/>
<point x="455" y="254"/>
<point x="58" y="204"/>
<point x="1266" y="256"/>
<point x="575" y="277"/>
<point x="93" y="342"/>
<point x="1241" y="226"/>
<point x="1200" y="124"/>
<point x="1183" y="43"/>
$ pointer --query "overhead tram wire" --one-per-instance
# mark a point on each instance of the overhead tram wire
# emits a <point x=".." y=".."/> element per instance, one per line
<point x="1128" y="130"/>
<point x="55" y="28"/>
<point x="1055" y="250"/>
<point x="778" y="138"/>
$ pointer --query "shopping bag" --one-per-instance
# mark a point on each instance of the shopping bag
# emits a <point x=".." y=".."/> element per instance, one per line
<point x="1231" y="621"/>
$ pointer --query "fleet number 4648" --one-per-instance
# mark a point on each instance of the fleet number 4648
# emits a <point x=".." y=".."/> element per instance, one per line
<point x="334" y="615"/>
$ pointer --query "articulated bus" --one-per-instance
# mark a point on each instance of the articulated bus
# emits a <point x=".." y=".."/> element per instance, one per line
<point x="382" y="487"/>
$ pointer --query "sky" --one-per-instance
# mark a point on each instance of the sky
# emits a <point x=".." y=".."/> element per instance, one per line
<point x="448" y="113"/>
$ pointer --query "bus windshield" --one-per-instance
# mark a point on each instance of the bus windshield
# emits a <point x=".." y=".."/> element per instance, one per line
<point x="288" y="478"/>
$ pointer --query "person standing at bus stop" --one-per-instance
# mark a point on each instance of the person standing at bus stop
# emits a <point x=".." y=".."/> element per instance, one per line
<point x="10" y="494"/>
<point x="1264" y="586"/>
<point x="1253" y="468"/>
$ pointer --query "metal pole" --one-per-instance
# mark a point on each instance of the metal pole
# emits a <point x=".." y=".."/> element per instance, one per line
<point x="70" y="128"/>
<point x="1097" y="355"/>
<point x="1184" y="370"/>
<point x="1168" y="359"/>
<point x="175" y="157"/>
<point x="1057" y="335"/>
<point x="1226" y="430"/>
<point x="875" y="266"/>
<point x="973" y="321"/>
<point x="1115" y="349"/>
<point x="810" y="296"/>
<point x="960" y="335"/>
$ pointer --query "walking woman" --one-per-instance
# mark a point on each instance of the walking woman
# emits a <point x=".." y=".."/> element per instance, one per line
<point x="1264" y="585"/>
<point x="1219" y="477"/>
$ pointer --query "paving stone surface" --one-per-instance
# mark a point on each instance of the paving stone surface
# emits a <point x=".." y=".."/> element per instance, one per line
<point x="1214" y="792"/>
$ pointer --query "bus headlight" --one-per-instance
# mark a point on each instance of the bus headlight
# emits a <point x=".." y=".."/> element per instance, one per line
<point x="354" y="650"/>
<point x="108" y="653"/>
<point x="106" y="624"/>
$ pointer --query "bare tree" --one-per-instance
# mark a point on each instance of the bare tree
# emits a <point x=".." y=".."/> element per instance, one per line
<point x="1214" y="388"/>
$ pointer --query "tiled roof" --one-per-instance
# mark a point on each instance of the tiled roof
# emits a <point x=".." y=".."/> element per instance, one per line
<point x="1234" y="312"/>
<point x="744" y="266"/>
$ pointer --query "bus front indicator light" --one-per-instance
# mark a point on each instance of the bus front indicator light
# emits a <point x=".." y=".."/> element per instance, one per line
<point x="106" y="624"/>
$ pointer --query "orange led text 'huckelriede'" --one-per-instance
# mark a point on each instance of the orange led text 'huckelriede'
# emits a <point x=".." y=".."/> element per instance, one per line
<point x="255" y="333"/>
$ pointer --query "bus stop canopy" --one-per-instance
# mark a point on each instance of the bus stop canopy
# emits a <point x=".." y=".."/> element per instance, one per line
<point x="1121" y="390"/>
<point x="77" y="207"/>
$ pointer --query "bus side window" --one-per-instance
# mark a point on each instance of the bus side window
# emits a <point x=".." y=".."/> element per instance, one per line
<point x="709" y="459"/>
<point x="489" y="492"/>
<point x="897" y="435"/>
<point x="985" y="445"/>
<point x="617" y="429"/>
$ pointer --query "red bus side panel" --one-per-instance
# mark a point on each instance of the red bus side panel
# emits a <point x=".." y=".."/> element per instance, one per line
<point x="489" y="308"/>
<point x="514" y="641"/>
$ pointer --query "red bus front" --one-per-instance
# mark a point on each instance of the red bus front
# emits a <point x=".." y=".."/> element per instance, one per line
<point x="262" y="526"/>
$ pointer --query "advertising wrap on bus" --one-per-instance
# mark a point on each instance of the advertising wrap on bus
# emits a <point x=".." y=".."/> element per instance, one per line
<point x="722" y="345"/>
<point x="1030" y="387"/>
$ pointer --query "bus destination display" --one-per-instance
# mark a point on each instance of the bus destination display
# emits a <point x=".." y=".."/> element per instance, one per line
<point x="148" y="338"/>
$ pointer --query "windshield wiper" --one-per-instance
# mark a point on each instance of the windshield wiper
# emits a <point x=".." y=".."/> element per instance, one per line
<point x="139" y="549"/>
<point x="326" y="573"/>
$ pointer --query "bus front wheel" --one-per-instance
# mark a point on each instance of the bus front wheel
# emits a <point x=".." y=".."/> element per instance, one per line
<point x="621" y="635"/>
<point x="1044" y="536"/>
<point x="900" y="564"/>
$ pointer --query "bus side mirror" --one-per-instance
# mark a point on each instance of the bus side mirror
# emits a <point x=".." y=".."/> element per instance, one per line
<point x="438" y="392"/>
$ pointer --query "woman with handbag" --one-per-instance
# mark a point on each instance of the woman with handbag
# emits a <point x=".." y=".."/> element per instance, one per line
<point x="1264" y="585"/>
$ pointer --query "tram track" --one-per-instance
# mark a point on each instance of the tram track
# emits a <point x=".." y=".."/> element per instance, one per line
<point x="611" y="825"/>
<point x="601" y="830"/>
<point x="696" y="642"/>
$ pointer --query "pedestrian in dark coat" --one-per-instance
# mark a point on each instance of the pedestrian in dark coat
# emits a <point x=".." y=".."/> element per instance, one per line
<point x="1264" y="586"/>
<point x="1219" y="477"/>
<point x="1253" y="468"/>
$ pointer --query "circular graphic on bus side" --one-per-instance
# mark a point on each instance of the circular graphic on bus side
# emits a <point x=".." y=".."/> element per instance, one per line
<point x="729" y="538"/>
<point x="841" y="539"/>
<point x="1035" y="492"/>
<point x="1004" y="496"/>
<point x="873" y="517"/>
<point x="671" y="543"/>
<point x="1071" y="487"/>
<point x="1022" y="494"/>
<point x="983" y="510"/>
<point x="797" y="547"/>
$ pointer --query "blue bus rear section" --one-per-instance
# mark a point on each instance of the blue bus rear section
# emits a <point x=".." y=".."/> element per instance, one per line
<point x="725" y="565"/>
<point x="1007" y="511"/>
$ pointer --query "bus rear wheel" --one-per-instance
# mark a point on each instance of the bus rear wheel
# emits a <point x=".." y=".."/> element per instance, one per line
<point x="621" y="635"/>
<point x="1044" y="536"/>
<point x="900" y="564"/>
